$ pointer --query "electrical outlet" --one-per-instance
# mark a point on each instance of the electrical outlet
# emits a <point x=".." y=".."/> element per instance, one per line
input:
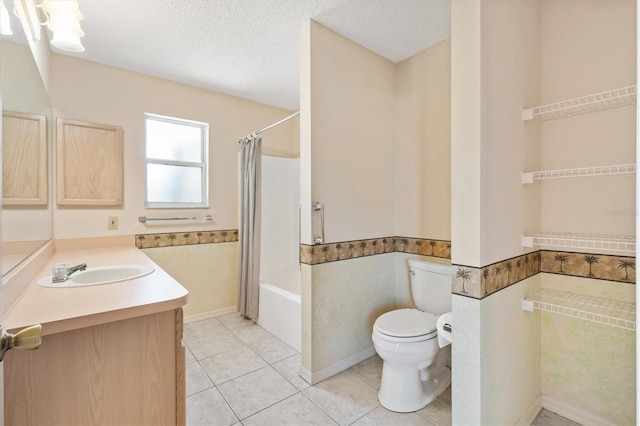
<point x="112" y="223"/>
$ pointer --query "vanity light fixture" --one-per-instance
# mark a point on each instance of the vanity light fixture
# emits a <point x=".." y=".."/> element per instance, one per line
<point x="62" y="17"/>
<point x="5" y="21"/>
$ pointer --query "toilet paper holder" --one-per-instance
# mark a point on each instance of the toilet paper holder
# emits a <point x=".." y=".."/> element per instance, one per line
<point x="446" y="327"/>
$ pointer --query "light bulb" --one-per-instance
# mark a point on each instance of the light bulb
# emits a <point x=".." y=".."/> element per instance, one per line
<point x="66" y="32"/>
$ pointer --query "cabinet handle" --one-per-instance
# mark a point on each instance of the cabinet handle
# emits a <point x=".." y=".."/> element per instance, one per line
<point x="28" y="338"/>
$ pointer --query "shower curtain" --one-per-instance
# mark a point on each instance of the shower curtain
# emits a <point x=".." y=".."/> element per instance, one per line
<point x="249" y="232"/>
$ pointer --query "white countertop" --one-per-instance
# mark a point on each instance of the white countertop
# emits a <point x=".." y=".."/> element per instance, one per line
<point x="64" y="309"/>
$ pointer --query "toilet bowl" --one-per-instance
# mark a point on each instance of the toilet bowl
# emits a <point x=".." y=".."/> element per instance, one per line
<point x="414" y="371"/>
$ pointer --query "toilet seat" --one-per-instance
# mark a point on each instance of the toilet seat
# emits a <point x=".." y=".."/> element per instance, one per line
<point x="407" y="325"/>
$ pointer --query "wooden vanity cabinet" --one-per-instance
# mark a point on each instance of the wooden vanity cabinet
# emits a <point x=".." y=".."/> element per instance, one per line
<point x="124" y="372"/>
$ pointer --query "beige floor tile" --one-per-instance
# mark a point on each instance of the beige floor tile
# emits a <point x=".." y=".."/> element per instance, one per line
<point x="196" y="379"/>
<point x="296" y="410"/>
<point x="345" y="397"/>
<point x="234" y="320"/>
<point x="369" y="370"/>
<point x="196" y="330"/>
<point x="209" y="408"/>
<point x="438" y="412"/>
<point x="383" y="417"/>
<point x="232" y="364"/>
<point x="256" y="391"/>
<point x="251" y="333"/>
<point x="290" y="369"/>
<point x="272" y="349"/>
<point x="207" y="346"/>
<point x="548" y="418"/>
<point x="263" y="396"/>
<point x="188" y="356"/>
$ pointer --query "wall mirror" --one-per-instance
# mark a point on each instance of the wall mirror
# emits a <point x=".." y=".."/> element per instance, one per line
<point x="27" y="130"/>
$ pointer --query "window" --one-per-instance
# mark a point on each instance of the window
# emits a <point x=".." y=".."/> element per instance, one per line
<point x="176" y="162"/>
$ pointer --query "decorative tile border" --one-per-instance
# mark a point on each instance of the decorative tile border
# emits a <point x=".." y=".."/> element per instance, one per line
<point x="312" y="255"/>
<point x="323" y="253"/>
<point x="185" y="238"/>
<point x="598" y="266"/>
<point x="332" y="252"/>
<point x="424" y="247"/>
<point x="466" y="281"/>
<point x="481" y="282"/>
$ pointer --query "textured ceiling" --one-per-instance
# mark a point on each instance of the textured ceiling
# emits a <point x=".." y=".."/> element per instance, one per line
<point x="248" y="48"/>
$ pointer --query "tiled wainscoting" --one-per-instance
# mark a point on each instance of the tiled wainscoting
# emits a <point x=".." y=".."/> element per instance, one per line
<point x="466" y="281"/>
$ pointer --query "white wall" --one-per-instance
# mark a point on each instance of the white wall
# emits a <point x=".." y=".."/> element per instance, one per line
<point x="588" y="47"/>
<point x="347" y="297"/>
<point x="347" y="163"/>
<point x="496" y="358"/>
<point x="97" y="93"/>
<point x="587" y="368"/>
<point x="466" y="134"/>
<point x="350" y="138"/>
<point x="368" y="155"/>
<point x="279" y="241"/>
<point x="510" y="81"/>
<point x="495" y="72"/>
<point x="422" y="139"/>
<point x="511" y="359"/>
<point x="208" y="271"/>
<point x="505" y="56"/>
<point x="92" y="92"/>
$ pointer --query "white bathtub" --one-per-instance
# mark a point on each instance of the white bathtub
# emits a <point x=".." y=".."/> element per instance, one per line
<point x="280" y="314"/>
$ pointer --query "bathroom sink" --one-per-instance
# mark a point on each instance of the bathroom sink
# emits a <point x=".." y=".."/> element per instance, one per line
<point x="100" y="275"/>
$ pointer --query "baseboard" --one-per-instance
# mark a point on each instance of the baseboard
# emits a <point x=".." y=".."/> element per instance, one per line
<point x="210" y="314"/>
<point x="578" y="415"/>
<point x="529" y="416"/>
<point x="325" y="373"/>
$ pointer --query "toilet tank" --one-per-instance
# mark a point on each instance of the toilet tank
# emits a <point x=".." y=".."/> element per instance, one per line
<point x="431" y="286"/>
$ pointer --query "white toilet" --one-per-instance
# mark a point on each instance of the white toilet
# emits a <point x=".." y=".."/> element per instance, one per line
<point x="414" y="371"/>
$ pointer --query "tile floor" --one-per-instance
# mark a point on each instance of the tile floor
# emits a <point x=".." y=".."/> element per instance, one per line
<point x="239" y="374"/>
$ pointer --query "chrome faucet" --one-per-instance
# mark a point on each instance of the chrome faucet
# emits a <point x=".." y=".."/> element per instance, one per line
<point x="61" y="272"/>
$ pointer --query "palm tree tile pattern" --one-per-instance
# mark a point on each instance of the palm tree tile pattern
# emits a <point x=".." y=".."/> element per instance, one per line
<point x="323" y="253"/>
<point x="481" y="282"/>
<point x="186" y="238"/>
<point x="587" y="265"/>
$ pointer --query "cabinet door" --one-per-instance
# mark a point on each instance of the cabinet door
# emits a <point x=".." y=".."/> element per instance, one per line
<point x="89" y="161"/>
<point x="24" y="159"/>
<point x="122" y="372"/>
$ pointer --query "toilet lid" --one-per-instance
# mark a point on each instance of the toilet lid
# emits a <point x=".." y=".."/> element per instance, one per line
<point x="406" y="323"/>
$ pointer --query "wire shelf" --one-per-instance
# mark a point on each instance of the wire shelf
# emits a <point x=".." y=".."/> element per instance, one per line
<point x="595" y="102"/>
<point x="529" y="177"/>
<point x="616" y="243"/>
<point x="603" y="311"/>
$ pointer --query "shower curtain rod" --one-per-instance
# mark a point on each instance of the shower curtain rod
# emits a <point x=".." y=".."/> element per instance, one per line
<point x="257" y="132"/>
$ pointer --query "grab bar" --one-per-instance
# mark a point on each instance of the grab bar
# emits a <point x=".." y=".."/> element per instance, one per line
<point x="144" y="219"/>
<point x="318" y="206"/>
<point x="299" y="235"/>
